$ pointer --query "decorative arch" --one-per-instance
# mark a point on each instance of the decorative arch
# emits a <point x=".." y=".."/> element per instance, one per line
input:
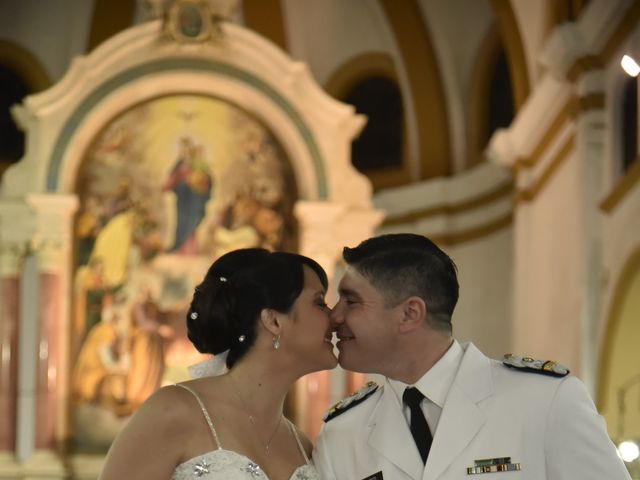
<point x="370" y="64"/>
<point x="138" y="73"/>
<point x="624" y="169"/>
<point x="423" y="71"/>
<point x="328" y="203"/>
<point x="344" y="79"/>
<point x="478" y="115"/>
<point x="138" y="64"/>
<point x="25" y="64"/>
<point x="619" y="356"/>
<point x="477" y="118"/>
<point x="512" y="41"/>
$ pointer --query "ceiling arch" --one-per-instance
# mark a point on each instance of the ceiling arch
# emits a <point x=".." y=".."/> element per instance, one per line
<point x="420" y="61"/>
<point x="619" y="357"/>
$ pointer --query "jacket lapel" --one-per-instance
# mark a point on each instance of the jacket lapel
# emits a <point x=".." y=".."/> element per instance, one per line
<point x="390" y="435"/>
<point x="461" y="417"/>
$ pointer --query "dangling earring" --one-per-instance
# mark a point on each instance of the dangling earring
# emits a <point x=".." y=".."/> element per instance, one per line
<point x="276" y="342"/>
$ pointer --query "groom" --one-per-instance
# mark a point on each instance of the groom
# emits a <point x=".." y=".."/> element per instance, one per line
<point x="445" y="410"/>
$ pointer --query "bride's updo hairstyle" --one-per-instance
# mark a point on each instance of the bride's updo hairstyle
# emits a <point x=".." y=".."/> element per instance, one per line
<point x="226" y="306"/>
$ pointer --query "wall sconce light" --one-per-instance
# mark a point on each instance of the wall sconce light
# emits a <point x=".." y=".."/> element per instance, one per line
<point x="628" y="451"/>
<point x="628" y="448"/>
<point x="630" y="66"/>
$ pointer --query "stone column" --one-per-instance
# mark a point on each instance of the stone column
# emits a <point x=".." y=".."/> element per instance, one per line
<point x="325" y="228"/>
<point x="14" y="238"/>
<point x="590" y="146"/>
<point x="52" y="242"/>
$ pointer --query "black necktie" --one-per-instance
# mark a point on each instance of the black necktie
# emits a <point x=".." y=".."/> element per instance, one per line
<point x="419" y="427"/>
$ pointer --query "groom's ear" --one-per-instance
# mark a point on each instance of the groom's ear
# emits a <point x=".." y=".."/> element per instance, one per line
<point x="413" y="314"/>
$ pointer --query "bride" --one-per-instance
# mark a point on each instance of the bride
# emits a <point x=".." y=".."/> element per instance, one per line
<point x="264" y="315"/>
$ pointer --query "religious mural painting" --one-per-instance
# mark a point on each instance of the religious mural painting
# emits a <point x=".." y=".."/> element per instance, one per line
<point x="165" y="188"/>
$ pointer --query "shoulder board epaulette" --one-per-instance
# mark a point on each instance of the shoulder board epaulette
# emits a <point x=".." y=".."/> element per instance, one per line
<point x="351" y="401"/>
<point x="528" y="364"/>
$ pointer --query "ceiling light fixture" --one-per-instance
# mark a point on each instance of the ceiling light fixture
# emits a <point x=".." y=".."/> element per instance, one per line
<point x="630" y="66"/>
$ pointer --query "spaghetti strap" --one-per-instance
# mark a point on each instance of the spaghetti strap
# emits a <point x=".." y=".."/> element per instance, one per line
<point x="205" y="413"/>
<point x="295" y="435"/>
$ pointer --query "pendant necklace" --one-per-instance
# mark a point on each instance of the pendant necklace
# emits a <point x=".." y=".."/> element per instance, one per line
<point x="253" y="420"/>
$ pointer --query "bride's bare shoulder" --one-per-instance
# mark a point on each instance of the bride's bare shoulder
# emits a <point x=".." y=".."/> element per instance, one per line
<point x="171" y="405"/>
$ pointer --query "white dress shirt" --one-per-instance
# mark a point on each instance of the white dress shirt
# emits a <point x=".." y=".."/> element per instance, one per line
<point x="434" y="385"/>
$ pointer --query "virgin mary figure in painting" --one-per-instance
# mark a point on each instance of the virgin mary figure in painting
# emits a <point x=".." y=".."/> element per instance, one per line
<point x="191" y="182"/>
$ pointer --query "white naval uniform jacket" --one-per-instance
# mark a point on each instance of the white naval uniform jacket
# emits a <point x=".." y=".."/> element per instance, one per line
<point x="548" y="425"/>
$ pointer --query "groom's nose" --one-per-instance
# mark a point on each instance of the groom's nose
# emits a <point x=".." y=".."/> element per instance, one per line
<point x="335" y="316"/>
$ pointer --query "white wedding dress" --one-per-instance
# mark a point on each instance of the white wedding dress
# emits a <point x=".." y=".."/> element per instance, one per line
<point x="229" y="465"/>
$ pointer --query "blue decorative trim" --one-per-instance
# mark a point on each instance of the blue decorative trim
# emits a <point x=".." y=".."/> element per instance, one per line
<point x="182" y="64"/>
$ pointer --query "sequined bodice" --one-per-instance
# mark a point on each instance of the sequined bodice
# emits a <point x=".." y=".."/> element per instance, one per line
<point x="229" y="465"/>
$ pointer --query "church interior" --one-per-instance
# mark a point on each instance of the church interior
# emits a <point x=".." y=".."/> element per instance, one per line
<point x="142" y="139"/>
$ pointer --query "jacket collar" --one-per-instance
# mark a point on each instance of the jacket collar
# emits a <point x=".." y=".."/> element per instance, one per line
<point x="461" y="417"/>
<point x="389" y="432"/>
<point x="460" y="421"/>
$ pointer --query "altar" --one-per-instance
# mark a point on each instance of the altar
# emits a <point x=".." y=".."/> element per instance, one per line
<point x="170" y="144"/>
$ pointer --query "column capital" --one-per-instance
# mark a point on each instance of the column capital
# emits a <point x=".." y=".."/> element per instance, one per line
<point x="17" y="226"/>
<point x="52" y="237"/>
<point x="53" y="203"/>
<point x="37" y="222"/>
